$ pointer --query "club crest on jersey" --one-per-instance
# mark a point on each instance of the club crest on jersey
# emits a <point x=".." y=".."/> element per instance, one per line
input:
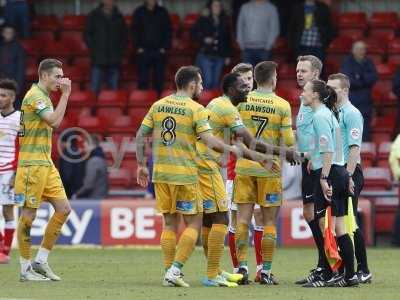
<point x="355" y="133"/>
<point x="323" y="140"/>
<point x="40" y="105"/>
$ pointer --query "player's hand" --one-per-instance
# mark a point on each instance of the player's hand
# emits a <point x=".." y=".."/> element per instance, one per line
<point x="65" y="86"/>
<point x="270" y="164"/>
<point x="293" y="157"/>
<point x="351" y="186"/>
<point x="143" y="176"/>
<point x="326" y="190"/>
<point x="237" y="150"/>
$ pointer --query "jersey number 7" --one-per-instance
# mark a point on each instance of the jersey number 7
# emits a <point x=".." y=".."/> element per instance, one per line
<point x="263" y="123"/>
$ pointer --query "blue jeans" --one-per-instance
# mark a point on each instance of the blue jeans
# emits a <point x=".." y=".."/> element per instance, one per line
<point x="17" y="15"/>
<point x="112" y="73"/>
<point x="254" y="56"/>
<point x="211" y="69"/>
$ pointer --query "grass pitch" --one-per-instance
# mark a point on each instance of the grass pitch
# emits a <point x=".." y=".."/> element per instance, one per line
<point x="122" y="273"/>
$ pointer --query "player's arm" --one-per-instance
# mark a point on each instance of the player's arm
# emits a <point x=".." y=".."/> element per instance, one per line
<point x="54" y="118"/>
<point x="216" y="144"/>
<point x="144" y="131"/>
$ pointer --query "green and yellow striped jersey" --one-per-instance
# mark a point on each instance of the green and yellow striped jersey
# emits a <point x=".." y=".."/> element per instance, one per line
<point x="35" y="134"/>
<point x="269" y="119"/>
<point x="175" y="122"/>
<point x="224" y="119"/>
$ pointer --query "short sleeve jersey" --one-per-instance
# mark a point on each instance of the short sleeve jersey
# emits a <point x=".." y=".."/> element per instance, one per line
<point x="269" y="119"/>
<point x="327" y="138"/>
<point x="175" y="123"/>
<point x="35" y="134"/>
<point x="351" y="126"/>
<point x="224" y="119"/>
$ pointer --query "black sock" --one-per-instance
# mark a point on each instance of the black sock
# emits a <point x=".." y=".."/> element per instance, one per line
<point x="347" y="254"/>
<point x="361" y="252"/>
<point x="319" y="242"/>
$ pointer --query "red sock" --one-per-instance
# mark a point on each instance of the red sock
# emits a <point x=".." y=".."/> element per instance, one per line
<point x="257" y="245"/>
<point x="8" y="237"/>
<point x="232" y="248"/>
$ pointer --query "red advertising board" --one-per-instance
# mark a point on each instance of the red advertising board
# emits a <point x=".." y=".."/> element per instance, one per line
<point x="130" y="222"/>
<point x="294" y="230"/>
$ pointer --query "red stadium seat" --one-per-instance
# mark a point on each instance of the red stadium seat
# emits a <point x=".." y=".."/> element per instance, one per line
<point x="45" y="22"/>
<point x="73" y="22"/>
<point x="84" y="61"/>
<point x="142" y="98"/>
<point x="59" y="50"/>
<point x="385" y="71"/>
<point x="382" y="93"/>
<point x="339" y="48"/>
<point x="394" y="52"/>
<point x="76" y="73"/>
<point x="109" y="113"/>
<point x="120" y="177"/>
<point x="82" y="98"/>
<point x="383" y="154"/>
<point x="122" y="124"/>
<point x="368" y="154"/>
<point x="385" y="124"/>
<point x="31" y="72"/>
<point x="384" y="34"/>
<point x="112" y="98"/>
<point x="44" y="36"/>
<point x="387" y="19"/>
<point x="286" y="71"/>
<point x="385" y="214"/>
<point x="377" y="179"/>
<point x="352" y="20"/>
<point x="175" y="21"/>
<point x="75" y="42"/>
<point x="137" y="114"/>
<point x="166" y="93"/>
<point x="32" y="47"/>
<point x="207" y="95"/>
<point x="190" y="20"/>
<point x="352" y="33"/>
<point x="92" y="124"/>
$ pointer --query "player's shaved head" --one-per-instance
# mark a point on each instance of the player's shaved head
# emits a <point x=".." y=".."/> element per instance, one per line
<point x="185" y="75"/>
<point x="264" y="72"/>
<point x="48" y="64"/>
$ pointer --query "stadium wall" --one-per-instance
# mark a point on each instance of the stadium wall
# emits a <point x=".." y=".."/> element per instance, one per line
<point x="128" y="221"/>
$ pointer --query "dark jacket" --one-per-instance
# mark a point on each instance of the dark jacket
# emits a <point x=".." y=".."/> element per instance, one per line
<point x="12" y="62"/>
<point x="362" y="77"/>
<point x="151" y="30"/>
<point x="72" y="169"/>
<point x="396" y="84"/>
<point x="106" y="37"/>
<point x="95" y="183"/>
<point x="322" y="19"/>
<point x="221" y="33"/>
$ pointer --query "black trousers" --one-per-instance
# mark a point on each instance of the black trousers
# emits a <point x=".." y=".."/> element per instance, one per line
<point x="151" y="61"/>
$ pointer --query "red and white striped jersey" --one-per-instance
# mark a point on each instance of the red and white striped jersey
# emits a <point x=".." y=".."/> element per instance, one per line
<point x="9" y="128"/>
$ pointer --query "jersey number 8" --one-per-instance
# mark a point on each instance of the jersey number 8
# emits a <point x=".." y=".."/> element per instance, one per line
<point x="168" y="134"/>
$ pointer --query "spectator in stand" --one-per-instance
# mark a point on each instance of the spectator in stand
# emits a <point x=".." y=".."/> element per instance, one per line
<point x="257" y="30"/>
<point x="362" y="74"/>
<point x="151" y="30"/>
<point x="17" y="15"/>
<point x="71" y="164"/>
<point x="310" y="29"/>
<point x="236" y="6"/>
<point x="95" y="182"/>
<point x="106" y="38"/>
<point x="12" y="58"/>
<point x="394" y="161"/>
<point x="212" y="32"/>
<point x="396" y="91"/>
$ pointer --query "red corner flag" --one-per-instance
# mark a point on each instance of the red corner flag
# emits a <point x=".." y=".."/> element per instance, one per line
<point x="331" y="249"/>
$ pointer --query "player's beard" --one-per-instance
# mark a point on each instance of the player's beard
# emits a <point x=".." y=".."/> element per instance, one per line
<point x="196" y="96"/>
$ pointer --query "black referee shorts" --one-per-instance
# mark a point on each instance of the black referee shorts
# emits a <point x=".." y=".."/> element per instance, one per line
<point x="338" y="178"/>
<point x="358" y="178"/>
<point x="307" y="184"/>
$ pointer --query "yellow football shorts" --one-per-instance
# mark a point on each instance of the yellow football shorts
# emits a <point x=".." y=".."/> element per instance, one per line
<point x="34" y="184"/>
<point x="184" y="199"/>
<point x="266" y="192"/>
<point x="213" y="193"/>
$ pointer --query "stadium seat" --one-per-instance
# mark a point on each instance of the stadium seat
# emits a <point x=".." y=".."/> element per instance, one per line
<point x="286" y="71"/>
<point x="190" y="20"/>
<point x="385" y="214"/>
<point x="82" y="98"/>
<point x="207" y="95"/>
<point x="73" y="22"/>
<point x="44" y="36"/>
<point x="112" y="98"/>
<point x="352" y="20"/>
<point x="290" y="93"/>
<point x="368" y="154"/>
<point x="137" y="114"/>
<point x="166" y="93"/>
<point x="281" y="50"/>
<point x="383" y="154"/>
<point x="376" y="49"/>
<point x="109" y="113"/>
<point x="45" y="22"/>
<point x="393" y="52"/>
<point x="92" y="124"/>
<point x="387" y="19"/>
<point x="142" y="98"/>
<point x="354" y="34"/>
<point x="58" y="50"/>
<point x="120" y="177"/>
<point x="84" y="61"/>
<point x="377" y="178"/>
<point x="380" y="137"/>
<point x="75" y="42"/>
<point x="76" y="73"/>
<point x="32" y="47"/>
<point x="122" y="124"/>
<point x="31" y="73"/>
<point x="385" y="71"/>
<point x="382" y="93"/>
<point x="385" y="123"/>
<point x="175" y="22"/>
<point x="385" y="34"/>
